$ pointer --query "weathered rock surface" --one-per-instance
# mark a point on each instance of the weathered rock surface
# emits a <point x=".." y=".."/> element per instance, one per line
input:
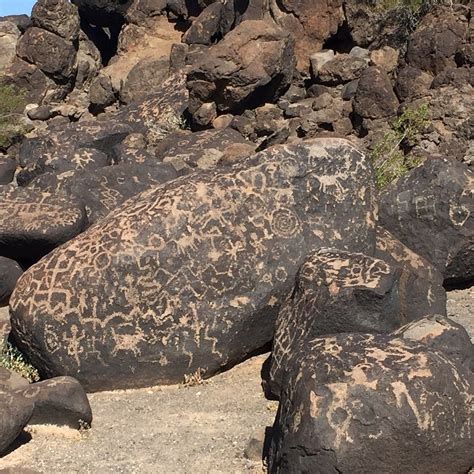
<point x="385" y="403"/>
<point x="191" y="274"/>
<point x="103" y="190"/>
<point x="57" y="16"/>
<point x="252" y="65"/>
<point x="374" y="98"/>
<point x="15" y="412"/>
<point x="10" y="271"/>
<point x="431" y="211"/>
<point x="32" y="223"/>
<point x="9" y="34"/>
<point x="343" y="292"/>
<point x="58" y="401"/>
<point x="51" y="53"/>
<point x="205" y="149"/>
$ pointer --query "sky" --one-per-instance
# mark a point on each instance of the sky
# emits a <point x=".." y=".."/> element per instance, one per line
<point x="16" y="7"/>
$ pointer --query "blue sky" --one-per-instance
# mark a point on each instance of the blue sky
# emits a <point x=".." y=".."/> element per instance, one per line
<point x="16" y="7"/>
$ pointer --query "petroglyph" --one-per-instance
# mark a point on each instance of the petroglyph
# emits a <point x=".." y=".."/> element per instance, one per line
<point x="191" y="274"/>
<point x="387" y="394"/>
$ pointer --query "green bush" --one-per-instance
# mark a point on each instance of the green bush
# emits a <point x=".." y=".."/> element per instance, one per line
<point x="12" y="104"/>
<point x="388" y="157"/>
<point x="12" y="359"/>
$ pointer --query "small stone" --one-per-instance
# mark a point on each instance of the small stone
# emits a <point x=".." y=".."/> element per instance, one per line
<point x="319" y="59"/>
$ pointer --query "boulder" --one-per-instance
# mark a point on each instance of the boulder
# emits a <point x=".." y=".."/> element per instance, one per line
<point x="374" y="98"/>
<point x="49" y="52"/>
<point x="57" y="16"/>
<point x="425" y="291"/>
<point x="15" y="412"/>
<point x="377" y="403"/>
<point x="214" y="22"/>
<point x="103" y="190"/>
<point x="58" y="401"/>
<point x="433" y="46"/>
<point x="10" y="271"/>
<point x="144" y="77"/>
<point x="252" y="65"/>
<point x="312" y="22"/>
<point x="108" y="13"/>
<point x="33" y="223"/>
<point x="431" y="211"/>
<point x="190" y="275"/>
<point x="9" y="34"/>
<point x="412" y="83"/>
<point x="81" y="145"/>
<point x="205" y="149"/>
<point x="7" y="169"/>
<point x="340" y="70"/>
<point x="342" y="292"/>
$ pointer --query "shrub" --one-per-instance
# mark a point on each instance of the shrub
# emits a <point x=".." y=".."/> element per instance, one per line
<point x="388" y="157"/>
<point x="12" y="359"/>
<point x="12" y="104"/>
<point x="407" y="14"/>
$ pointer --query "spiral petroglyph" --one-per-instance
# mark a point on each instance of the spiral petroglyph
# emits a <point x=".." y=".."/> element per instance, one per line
<point x="191" y="274"/>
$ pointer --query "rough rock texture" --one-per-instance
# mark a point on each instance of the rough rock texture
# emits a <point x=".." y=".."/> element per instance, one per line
<point x="205" y="149"/>
<point x="104" y="190"/>
<point x="374" y="98"/>
<point x="15" y="412"/>
<point x="431" y="211"/>
<point x="433" y="45"/>
<point x="57" y="16"/>
<point x="310" y="29"/>
<point x="9" y="34"/>
<point x="340" y="70"/>
<point x="51" y="53"/>
<point x="10" y="271"/>
<point x="214" y="22"/>
<point x="425" y="290"/>
<point x="253" y="64"/>
<point x="7" y="169"/>
<point x="58" y="401"/>
<point x="191" y="274"/>
<point x="342" y="292"/>
<point x="385" y="403"/>
<point x="32" y="223"/>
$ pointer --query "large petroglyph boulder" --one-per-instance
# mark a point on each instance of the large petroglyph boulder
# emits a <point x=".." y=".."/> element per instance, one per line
<point x="341" y="292"/>
<point x="431" y="211"/>
<point x="34" y="223"/>
<point x="378" y="403"/>
<point x="190" y="275"/>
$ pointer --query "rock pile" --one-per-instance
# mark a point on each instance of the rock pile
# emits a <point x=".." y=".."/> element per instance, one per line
<point x="184" y="182"/>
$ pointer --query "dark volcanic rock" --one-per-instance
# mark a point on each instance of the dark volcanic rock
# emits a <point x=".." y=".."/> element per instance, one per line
<point x="103" y="190"/>
<point x="57" y="16"/>
<point x="33" y="223"/>
<point x="431" y="210"/>
<point x="58" y="401"/>
<point x="190" y="275"/>
<point x="374" y="96"/>
<point x="205" y="149"/>
<point x="432" y="47"/>
<point x="73" y="147"/>
<point x="377" y="403"/>
<point x="342" y="292"/>
<point x="252" y="65"/>
<point x="10" y="271"/>
<point x="214" y="22"/>
<point x="15" y="412"/>
<point x="51" y="53"/>
<point x="7" y="169"/>
<point x="424" y="292"/>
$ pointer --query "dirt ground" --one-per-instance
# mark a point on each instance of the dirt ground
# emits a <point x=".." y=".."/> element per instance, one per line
<point x="200" y="429"/>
